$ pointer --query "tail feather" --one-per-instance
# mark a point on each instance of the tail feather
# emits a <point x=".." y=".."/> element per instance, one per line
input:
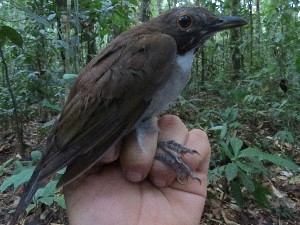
<point x="27" y="196"/>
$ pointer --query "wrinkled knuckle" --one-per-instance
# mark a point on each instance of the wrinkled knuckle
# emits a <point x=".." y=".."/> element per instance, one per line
<point x="199" y="133"/>
<point x="170" y="119"/>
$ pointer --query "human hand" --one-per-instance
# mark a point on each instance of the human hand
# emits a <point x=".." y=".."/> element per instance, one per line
<point x="108" y="197"/>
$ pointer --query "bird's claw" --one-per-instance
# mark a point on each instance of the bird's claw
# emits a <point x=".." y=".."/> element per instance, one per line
<point x="170" y="154"/>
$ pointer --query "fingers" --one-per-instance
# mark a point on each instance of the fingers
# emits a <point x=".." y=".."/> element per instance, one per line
<point x="198" y="140"/>
<point x="171" y="128"/>
<point x="138" y="162"/>
<point x="137" y="158"/>
<point x="111" y="154"/>
<point x="199" y="165"/>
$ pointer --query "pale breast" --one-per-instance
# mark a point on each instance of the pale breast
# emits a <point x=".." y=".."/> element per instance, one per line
<point x="172" y="88"/>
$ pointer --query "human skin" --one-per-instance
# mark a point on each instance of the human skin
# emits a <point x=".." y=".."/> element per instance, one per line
<point x="135" y="189"/>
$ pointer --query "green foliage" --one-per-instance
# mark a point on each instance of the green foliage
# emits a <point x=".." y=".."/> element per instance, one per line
<point x="237" y="110"/>
<point x="254" y="152"/>
<point x="11" y="34"/>
<point x="48" y="195"/>
<point x="23" y="171"/>
<point x="229" y="121"/>
<point x="261" y="193"/>
<point x="17" y="179"/>
<point x="285" y="136"/>
<point x="69" y="76"/>
<point x="4" y="165"/>
<point x="46" y="103"/>
<point x="244" y="167"/>
<point x="298" y="62"/>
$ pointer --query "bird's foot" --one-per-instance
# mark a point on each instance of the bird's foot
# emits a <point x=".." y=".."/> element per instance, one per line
<point x="170" y="152"/>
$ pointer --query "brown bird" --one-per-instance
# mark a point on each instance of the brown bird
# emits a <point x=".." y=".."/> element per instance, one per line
<point x="131" y="81"/>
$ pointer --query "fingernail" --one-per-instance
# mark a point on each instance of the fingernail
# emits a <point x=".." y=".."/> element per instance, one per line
<point x="159" y="183"/>
<point x="134" y="176"/>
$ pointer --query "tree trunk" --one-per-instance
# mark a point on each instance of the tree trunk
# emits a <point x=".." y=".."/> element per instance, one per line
<point x="159" y="6"/>
<point x="145" y="12"/>
<point x="68" y="28"/>
<point x="258" y="21"/>
<point x="236" y="56"/>
<point x="251" y="34"/>
<point x="68" y="41"/>
<point x="203" y="64"/>
<point x="17" y="120"/>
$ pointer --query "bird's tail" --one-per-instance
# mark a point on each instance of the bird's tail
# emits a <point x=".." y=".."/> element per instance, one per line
<point x="27" y="196"/>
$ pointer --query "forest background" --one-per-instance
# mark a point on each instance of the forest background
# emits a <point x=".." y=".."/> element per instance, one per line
<point x="244" y="92"/>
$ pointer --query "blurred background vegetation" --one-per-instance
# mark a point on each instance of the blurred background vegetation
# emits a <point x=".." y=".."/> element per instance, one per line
<point x="244" y="90"/>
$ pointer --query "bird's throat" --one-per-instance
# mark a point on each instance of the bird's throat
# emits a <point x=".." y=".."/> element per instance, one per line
<point x="181" y="70"/>
<point x="185" y="62"/>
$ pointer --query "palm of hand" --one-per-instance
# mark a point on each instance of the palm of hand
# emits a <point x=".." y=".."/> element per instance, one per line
<point x="107" y="197"/>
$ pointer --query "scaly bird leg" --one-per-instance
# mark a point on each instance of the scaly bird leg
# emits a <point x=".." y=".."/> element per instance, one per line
<point x="170" y="152"/>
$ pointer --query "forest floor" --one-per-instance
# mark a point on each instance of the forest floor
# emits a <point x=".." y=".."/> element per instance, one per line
<point x="220" y="207"/>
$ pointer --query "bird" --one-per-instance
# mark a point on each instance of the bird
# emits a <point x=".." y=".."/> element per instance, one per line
<point x="120" y="91"/>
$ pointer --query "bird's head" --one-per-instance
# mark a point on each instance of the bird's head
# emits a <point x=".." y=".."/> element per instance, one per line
<point x="190" y="26"/>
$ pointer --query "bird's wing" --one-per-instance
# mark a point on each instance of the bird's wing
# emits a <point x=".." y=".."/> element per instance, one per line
<point x="109" y="97"/>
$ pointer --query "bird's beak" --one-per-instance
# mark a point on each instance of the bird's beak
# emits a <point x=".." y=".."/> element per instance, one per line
<point x="228" y="22"/>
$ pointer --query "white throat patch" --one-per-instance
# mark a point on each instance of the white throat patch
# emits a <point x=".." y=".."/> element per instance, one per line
<point x="185" y="61"/>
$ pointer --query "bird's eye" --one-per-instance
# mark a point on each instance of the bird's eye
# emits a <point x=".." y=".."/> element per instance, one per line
<point x="185" y="21"/>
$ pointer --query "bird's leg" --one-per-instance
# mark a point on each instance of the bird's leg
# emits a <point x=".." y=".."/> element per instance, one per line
<point x="169" y="152"/>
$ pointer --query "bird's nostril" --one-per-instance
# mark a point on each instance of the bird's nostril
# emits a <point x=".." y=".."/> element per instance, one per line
<point x="219" y="21"/>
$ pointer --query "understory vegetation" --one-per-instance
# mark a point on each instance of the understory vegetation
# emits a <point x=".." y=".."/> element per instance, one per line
<point x="244" y="92"/>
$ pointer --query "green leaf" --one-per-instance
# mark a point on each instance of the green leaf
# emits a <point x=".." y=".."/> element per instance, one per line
<point x="5" y="164"/>
<point x="215" y="173"/>
<point x="30" y="207"/>
<point x="17" y="179"/>
<point x="49" y="123"/>
<point x="134" y="2"/>
<point x="231" y="171"/>
<point x="46" y="194"/>
<point x="278" y="37"/>
<point x="70" y="76"/>
<point x="41" y="31"/>
<point x="257" y="166"/>
<point x="62" y="171"/>
<point x="2" y="37"/>
<point x="244" y="166"/>
<point x="46" y="103"/>
<point x="50" y="188"/>
<point x="285" y="136"/>
<point x="236" y="145"/>
<point x="255" y="152"/>
<point x="60" y="199"/>
<point x="49" y="193"/>
<point x="224" y="131"/>
<point x="261" y="194"/>
<point x="216" y="128"/>
<point x="47" y="200"/>
<point x="227" y="151"/>
<point x="63" y="44"/>
<point x="12" y="35"/>
<point x="298" y="62"/>
<point x="34" y="16"/>
<point x="237" y="193"/>
<point x="51" y="16"/>
<point x="247" y="181"/>
<point x="36" y="155"/>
